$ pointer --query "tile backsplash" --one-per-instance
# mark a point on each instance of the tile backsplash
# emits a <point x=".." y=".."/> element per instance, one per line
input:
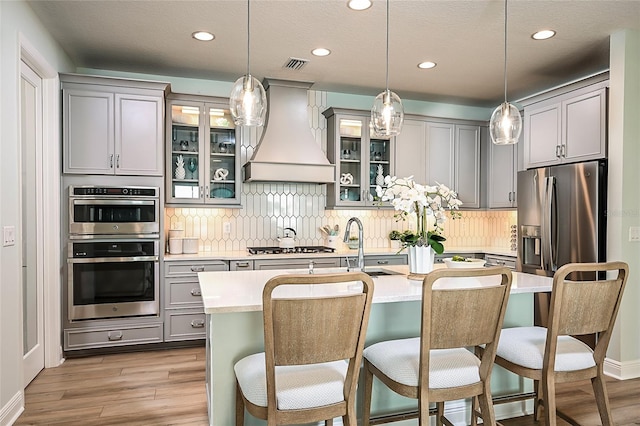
<point x="268" y="208"/>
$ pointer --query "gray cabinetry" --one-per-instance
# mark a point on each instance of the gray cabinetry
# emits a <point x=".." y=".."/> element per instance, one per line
<point x="296" y="263"/>
<point x="566" y="128"/>
<point x="502" y="175"/>
<point x="203" y="155"/>
<point x="112" y="126"/>
<point x="379" y="260"/>
<point x="446" y="152"/>
<point x="184" y="317"/>
<point x="359" y="156"/>
<point x="112" y="336"/>
<point x="497" y="260"/>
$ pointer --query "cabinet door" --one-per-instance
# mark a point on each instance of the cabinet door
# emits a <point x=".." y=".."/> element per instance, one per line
<point x="88" y="132"/>
<point x="467" y="165"/>
<point x="542" y="135"/>
<point x="410" y="151"/>
<point x="350" y="172"/>
<point x="380" y="165"/>
<point x="584" y="126"/>
<point x="138" y="141"/>
<point x="184" y="159"/>
<point x="223" y="157"/>
<point x="502" y="165"/>
<point x="440" y="154"/>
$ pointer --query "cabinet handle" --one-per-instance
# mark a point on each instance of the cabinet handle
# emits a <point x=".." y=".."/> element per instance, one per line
<point x="111" y="161"/>
<point x="197" y="268"/>
<point x="197" y="323"/>
<point x="558" y="151"/>
<point x="196" y="292"/>
<point x="562" y="150"/>
<point x="206" y="191"/>
<point x="201" y="191"/>
<point x="383" y="262"/>
<point x="118" y="161"/>
<point x="242" y="264"/>
<point x="114" y="335"/>
<point x="513" y="199"/>
<point x="510" y="196"/>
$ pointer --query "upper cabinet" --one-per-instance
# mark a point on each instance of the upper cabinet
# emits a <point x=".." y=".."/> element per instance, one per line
<point x="566" y="128"/>
<point x="502" y="175"/>
<point x="203" y="158"/>
<point x="443" y="152"/>
<point x="112" y="126"/>
<point x="362" y="160"/>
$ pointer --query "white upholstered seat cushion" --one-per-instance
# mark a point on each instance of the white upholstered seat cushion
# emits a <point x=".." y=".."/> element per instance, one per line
<point x="297" y="387"/>
<point x="525" y="346"/>
<point x="400" y="359"/>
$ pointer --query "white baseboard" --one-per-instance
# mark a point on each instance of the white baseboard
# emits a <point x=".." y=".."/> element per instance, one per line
<point x="12" y="410"/>
<point x="622" y="370"/>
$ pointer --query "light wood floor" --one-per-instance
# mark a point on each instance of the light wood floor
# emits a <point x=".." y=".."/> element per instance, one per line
<point x="166" y="387"/>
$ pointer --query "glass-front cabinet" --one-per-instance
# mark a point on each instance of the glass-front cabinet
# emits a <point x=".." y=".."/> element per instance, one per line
<point x="203" y="158"/>
<point x="362" y="159"/>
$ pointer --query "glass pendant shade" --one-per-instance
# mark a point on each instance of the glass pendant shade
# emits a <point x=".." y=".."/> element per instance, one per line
<point x="505" y="125"/>
<point x="387" y="114"/>
<point x="248" y="102"/>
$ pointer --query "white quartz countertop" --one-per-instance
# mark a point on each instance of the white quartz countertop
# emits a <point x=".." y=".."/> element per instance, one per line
<point x="241" y="291"/>
<point x="244" y="255"/>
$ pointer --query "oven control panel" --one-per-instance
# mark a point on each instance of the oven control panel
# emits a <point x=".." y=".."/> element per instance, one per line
<point x="119" y="191"/>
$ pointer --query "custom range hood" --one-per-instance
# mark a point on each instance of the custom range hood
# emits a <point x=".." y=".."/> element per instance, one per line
<point x="287" y="151"/>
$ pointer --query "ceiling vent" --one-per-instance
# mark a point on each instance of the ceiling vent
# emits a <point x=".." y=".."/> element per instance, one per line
<point x="295" y="64"/>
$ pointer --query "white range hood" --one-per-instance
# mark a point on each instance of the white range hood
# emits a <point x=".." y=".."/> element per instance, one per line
<point x="287" y="151"/>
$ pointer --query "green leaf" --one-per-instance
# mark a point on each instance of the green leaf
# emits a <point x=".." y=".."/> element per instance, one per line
<point x="437" y="247"/>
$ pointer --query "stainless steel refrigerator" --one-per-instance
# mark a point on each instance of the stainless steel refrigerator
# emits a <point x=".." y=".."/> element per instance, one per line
<point x="561" y="216"/>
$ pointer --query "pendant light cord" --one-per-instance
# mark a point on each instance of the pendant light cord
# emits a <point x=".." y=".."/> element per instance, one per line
<point x="248" y="36"/>
<point x="387" y="77"/>
<point x="505" y="51"/>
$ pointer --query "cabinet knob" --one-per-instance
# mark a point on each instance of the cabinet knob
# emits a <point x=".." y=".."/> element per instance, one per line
<point x="197" y="323"/>
<point x="196" y="292"/>
<point x="197" y="268"/>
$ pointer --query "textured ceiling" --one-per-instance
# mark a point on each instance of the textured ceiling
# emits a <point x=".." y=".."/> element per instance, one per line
<point x="465" y="39"/>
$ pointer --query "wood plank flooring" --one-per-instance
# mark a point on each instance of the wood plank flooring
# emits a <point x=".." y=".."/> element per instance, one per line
<point x="166" y="387"/>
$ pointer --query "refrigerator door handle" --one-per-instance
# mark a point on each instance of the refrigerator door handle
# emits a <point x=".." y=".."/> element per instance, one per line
<point x="553" y="224"/>
<point x="546" y="226"/>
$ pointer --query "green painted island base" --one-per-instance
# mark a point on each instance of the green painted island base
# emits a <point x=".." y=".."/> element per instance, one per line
<point x="232" y="336"/>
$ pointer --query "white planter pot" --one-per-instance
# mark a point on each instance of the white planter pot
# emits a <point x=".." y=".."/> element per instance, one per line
<point x="421" y="259"/>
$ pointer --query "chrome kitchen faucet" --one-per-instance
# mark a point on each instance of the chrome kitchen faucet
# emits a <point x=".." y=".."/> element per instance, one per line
<point x="360" y="265"/>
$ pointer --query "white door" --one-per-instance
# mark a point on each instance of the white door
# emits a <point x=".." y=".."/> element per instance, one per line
<point x="31" y="210"/>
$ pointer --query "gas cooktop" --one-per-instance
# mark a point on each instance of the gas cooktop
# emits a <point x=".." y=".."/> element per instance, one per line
<point x="300" y="249"/>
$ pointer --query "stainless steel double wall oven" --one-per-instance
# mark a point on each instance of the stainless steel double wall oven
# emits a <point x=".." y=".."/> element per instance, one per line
<point x="113" y="252"/>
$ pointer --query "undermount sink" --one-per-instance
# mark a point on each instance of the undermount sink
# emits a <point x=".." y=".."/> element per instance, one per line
<point x="377" y="272"/>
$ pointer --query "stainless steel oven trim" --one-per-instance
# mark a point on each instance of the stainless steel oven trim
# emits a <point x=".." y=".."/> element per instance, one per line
<point x="114" y="310"/>
<point x="113" y="259"/>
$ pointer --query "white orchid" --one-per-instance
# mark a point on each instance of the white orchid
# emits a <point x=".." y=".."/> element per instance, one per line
<point x="408" y="197"/>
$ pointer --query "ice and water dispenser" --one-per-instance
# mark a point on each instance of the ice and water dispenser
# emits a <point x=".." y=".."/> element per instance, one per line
<point x="530" y="242"/>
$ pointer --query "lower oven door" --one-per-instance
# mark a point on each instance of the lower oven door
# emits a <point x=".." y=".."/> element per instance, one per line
<point x="113" y="287"/>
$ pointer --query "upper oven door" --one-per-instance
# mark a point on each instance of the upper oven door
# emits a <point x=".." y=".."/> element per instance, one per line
<point x="89" y="217"/>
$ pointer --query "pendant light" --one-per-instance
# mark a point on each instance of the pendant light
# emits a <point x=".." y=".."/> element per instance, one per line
<point x="248" y="100"/>
<point x="505" y="125"/>
<point x="387" y="112"/>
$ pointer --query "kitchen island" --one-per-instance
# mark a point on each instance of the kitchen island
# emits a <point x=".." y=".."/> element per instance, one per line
<point x="233" y="305"/>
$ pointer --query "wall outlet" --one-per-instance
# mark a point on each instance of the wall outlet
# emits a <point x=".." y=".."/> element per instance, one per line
<point x="634" y="234"/>
<point x="8" y="236"/>
<point x="226" y="228"/>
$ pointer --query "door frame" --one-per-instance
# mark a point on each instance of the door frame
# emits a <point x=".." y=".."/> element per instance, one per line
<point x="50" y="190"/>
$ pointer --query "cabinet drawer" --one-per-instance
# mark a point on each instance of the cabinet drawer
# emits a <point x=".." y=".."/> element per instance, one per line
<point x="296" y="263"/>
<point x="180" y="325"/>
<point x="183" y="292"/>
<point x="117" y="336"/>
<point x="241" y="265"/>
<point x="380" y="260"/>
<point x="492" y="260"/>
<point x="191" y="268"/>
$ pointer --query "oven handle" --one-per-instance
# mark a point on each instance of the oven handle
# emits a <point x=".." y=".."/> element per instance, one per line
<point x="113" y="259"/>
<point x="94" y="202"/>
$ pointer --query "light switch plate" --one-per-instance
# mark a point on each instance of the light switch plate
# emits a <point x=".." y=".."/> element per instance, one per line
<point x="634" y="234"/>
<point x="8" y="236"/>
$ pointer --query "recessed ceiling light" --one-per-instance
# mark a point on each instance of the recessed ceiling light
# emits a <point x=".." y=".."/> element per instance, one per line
<point x="543" y="35"/>
<point x="203" y="36"/>
<point x="321" y="51"/>
<point x="426" y="65"/>
<point x="359" y="4"/>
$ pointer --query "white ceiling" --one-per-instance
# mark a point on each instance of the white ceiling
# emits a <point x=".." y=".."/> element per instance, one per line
<point x="465" y="38"/>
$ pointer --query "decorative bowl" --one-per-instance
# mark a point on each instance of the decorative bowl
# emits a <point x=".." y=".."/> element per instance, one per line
<point x="469" y="262"/>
